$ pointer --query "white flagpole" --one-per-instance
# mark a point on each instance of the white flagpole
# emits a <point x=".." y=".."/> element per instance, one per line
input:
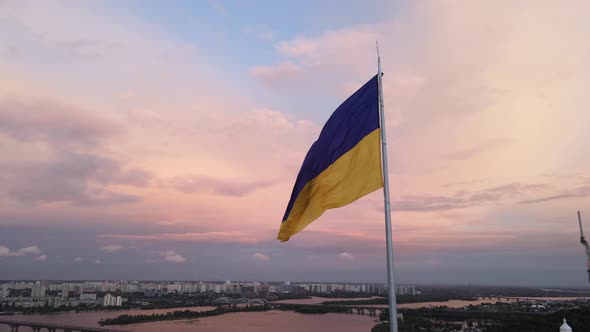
<point x="390" y="279"/>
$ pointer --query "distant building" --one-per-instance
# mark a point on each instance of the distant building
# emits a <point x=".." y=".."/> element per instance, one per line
<point x="173" y="288"/>
<point x="38" y="291"/>
<point x="4" y="291"/>
<point x="405" y="290"/>
<point x="88" y="297"/>
<point x="264" y="291"/>
<point x="108" y="287"/>
<point x="65" y="291"/>
<point x="248" y="291"/>
<point x="123" y="286"/>
<point x="112" y="301"/>
<point x="234" y="288"/>
<point x="296" y="290"/>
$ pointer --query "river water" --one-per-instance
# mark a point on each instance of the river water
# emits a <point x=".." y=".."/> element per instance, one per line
<point x="274" y="320"/>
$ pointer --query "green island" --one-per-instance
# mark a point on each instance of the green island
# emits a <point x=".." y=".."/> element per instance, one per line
<point x="189" y="314"/>
<point x="178" y="314"/>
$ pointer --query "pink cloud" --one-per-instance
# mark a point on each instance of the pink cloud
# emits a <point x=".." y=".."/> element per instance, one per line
<point x="206" y="184"/>
<point x="284" y="75"/>
<point x="32" y="250"/>
<point x="299" y="47"/>
<point x="5" y="251"/>
<point x="51" y="121"/>
<point x="28" y="250"/>
<point x="41" y="258"/>
<point x="346" y="256"/>
<point x="112" y="248"/>
<point x="261" y="257"/>
<point x="172" y="256"/>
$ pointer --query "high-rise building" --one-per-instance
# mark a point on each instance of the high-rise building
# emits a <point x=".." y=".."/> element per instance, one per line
<point x="108" y="287"/>
<point x="110" y="300"/>
<point x="123" y="286"/>
<point x="65" y="291"/>
<point x="264" y="291"/>
<point x="4" y="292"/>
<point x="173" y="288"/>
<point x="248" y="291"/>
<point x="38" y="290"/>
<point x="405" y="290"/>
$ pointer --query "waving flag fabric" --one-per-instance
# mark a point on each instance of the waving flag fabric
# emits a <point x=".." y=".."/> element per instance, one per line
<point x="343" y="165"/>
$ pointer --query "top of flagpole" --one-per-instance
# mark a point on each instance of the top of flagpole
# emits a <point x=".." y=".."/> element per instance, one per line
<point x="379" y="62"/>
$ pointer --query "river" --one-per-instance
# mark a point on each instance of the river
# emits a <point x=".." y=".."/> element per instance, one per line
<point x="274" y="320"/>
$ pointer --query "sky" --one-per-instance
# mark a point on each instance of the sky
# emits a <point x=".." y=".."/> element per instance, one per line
<point x="161" y="140"/>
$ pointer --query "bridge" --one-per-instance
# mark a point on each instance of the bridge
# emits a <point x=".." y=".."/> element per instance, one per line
<point x="37" y="327"/>
<point x="229" y="302"/>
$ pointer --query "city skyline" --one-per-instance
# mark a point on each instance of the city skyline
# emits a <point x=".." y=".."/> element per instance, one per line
<point x="162" y="142"/>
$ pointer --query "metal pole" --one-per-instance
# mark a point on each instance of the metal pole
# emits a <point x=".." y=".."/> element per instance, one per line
<point x="390" y="279"/>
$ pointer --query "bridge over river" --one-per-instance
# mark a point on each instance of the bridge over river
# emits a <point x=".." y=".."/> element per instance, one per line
<point x="37" y="327"/>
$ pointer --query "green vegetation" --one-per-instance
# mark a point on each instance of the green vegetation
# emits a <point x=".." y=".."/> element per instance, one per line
<point x="288" y="296"/>
<point x="313" y="309"/>
<point x="186" y="314"/>
<point x="379" y="300"/>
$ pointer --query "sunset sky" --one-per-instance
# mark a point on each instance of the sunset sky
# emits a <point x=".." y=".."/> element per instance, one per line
<point x="161" y="139"/>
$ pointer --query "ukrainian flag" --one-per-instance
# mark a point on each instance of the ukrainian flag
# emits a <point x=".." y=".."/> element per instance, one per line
<point x="343" y="165"/>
